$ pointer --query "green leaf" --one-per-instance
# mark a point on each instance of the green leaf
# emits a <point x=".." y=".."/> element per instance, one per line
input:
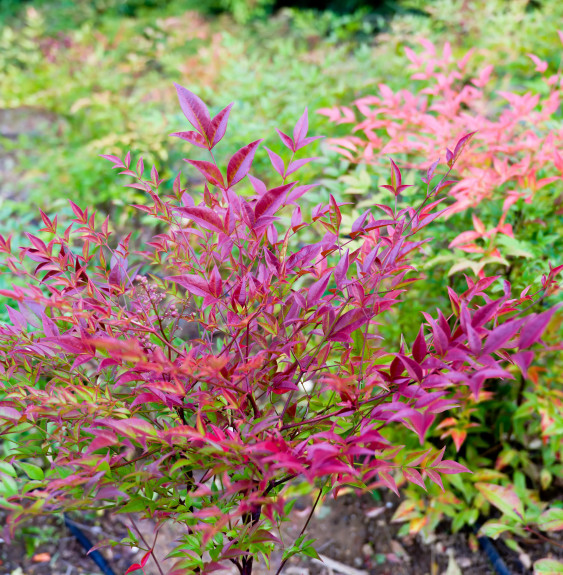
<point x="503" y="498"/>
<point x="548" y="567"/>
<point x="514" y="247"/>
<point x="493" y="529"/>
<point x="8" y="487"/>
<point x="135" y="505"/>
<point x="32" y="471"/>
<point x="551" y="520"/>
<point x="311" y="552"/>
<point x="8" y="469"/>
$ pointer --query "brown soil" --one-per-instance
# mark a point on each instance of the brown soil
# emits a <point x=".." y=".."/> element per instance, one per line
<point x="360" y="545"/>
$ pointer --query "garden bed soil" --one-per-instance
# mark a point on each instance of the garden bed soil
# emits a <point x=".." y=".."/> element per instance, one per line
<point x="353" y="543"/>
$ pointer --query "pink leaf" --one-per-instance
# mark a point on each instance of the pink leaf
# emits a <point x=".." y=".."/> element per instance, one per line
<point x="203" y="216"/>
<point x="192" y="137"/>
<point x="462" y="142"/>
<point x="118" y="163"/>
<point x="209" y="171"/>
<point x="501" y="335"/>
<point x="258" y="185"/>
<point x="523" y="360"/>
<point x="301" y="129"/>
<point x="240" y="163"/>
<point x="541" y="65"/>
<point x="286" y="140"/>
<point x="299" y="191"/>
<point x="316" y="291"/>
<point x="388" y="480"/>
<point x="277" y="162"/>
<point x="449" y="467"/>
<point x="218" y="126"/>
<point x="194" y="109"/>
<point x="435" y="478"/>
<point x="535" y="326"/>
<point x="9" y="413"/>
<point x="296" y="164"/>
<point x="194" y="284"/>
<point x="271" y="200"/>
<point x="341" y="270"/>
<point x="414" y="476"/>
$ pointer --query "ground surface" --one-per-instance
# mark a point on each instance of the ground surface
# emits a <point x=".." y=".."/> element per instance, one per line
<point x="356" y="544"/>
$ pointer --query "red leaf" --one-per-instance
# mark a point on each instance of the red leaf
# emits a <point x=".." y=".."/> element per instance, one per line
<point x="194" y="109"/>
<point x="194" y="284"/>
<point x="419" y="348"/>
<point x="413" y="369"/>
<point x="218" y="126"/>
<point x="209" y="171"/>
<point x="348" y="323"/>
<point x="203" y="216"/>
<point x="240" y="163"/>
<point x="271" y="200"/>
<point x="316" y="291"/>
<point x="462" y="142"/>
<point x="341" y="270"/>
<point x="192" y="137"/>
<point x="145" y="557"/>
<point x="134" y="567"/>
<point x="485" y="313"/>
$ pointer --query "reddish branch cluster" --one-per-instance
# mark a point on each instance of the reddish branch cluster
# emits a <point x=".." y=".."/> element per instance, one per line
<point x="284" y="377"/>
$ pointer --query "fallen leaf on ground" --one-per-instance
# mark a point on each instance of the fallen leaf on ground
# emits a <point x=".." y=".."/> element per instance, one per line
<point x="41" y="557"/>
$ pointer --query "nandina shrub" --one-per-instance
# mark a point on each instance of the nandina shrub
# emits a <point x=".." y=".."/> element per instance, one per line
<point x="232" y="360"/>
<point x="507" y="188"/>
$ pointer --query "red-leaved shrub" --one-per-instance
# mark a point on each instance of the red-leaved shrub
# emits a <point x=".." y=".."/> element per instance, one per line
<point x="255" y="362"/>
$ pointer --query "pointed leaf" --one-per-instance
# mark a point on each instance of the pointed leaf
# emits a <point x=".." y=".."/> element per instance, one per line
<point x="218" y="126"/>
<point x="203" y="216"/>
<point x="269" y="203"/>
<point x="209" y="171"/>
<point x="192" y="137"/>
<point x="503" y="498"/>
<point x="240" y="163"/>
<point x="194" y="109"/>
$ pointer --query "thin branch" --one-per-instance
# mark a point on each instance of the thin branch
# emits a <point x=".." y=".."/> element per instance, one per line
<point x="282" y="565"/>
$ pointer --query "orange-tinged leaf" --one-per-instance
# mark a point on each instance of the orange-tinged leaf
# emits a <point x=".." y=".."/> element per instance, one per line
<point x="503" y="498"/>
<point x="417" y="524"/>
